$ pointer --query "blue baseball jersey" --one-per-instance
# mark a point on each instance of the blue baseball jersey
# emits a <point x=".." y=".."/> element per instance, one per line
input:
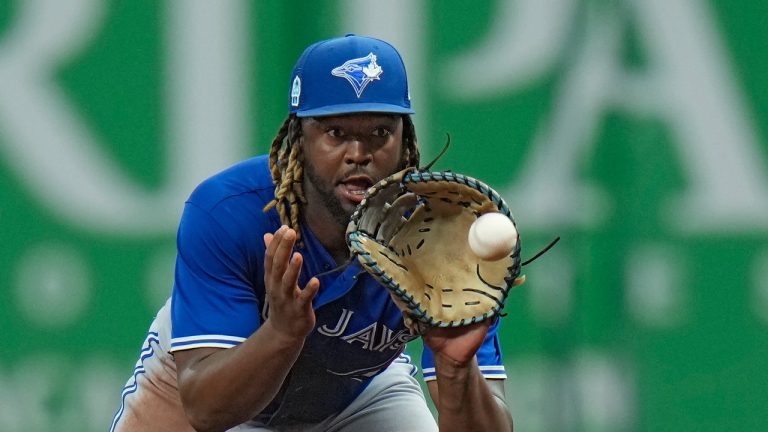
<point x="218" y="299"/>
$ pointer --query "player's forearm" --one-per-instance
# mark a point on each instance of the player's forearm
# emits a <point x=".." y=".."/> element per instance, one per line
<point x="465" y="401"/>
<point x="231" y="386"/>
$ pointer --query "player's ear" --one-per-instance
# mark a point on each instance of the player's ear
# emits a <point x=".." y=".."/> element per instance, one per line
<point x="302" y="124"/>
<point x="300" y="142"/>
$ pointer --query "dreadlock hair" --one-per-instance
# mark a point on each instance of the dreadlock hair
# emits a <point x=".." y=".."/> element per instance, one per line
<point x="288" y="172"/>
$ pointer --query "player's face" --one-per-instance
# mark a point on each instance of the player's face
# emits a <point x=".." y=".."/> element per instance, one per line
<point x="345" y="155"/>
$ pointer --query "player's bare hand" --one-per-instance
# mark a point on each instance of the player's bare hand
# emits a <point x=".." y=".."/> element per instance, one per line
<point x="457" y="344"/>
<point x="290" y="307"/>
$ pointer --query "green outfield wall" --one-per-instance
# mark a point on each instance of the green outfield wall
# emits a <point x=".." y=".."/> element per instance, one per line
<point x="637" y="131"/>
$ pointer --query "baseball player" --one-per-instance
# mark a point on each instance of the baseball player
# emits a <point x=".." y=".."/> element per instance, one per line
<point x="271" y="326"/>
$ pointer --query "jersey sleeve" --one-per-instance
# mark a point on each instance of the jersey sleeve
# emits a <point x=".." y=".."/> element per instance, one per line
<point x="213" y="302"/>
<point x="488" y="358"/>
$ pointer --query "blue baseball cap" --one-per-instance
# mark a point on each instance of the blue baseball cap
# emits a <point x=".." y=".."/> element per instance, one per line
<point x="349" y="74"/>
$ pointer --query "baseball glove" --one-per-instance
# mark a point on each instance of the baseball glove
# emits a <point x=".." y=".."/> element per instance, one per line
<point x="410" y="233"/>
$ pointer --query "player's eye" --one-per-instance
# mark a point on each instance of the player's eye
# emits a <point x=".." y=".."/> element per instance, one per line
<point x="335" y="132"/>
<point x="382" y="132"/>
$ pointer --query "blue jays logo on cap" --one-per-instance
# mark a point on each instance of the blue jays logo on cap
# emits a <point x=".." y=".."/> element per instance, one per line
<point x="359" y="72"/>
<point x="374" y="78"/>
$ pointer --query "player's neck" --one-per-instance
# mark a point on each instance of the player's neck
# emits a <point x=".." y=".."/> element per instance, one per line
<point x="329" y="233"/>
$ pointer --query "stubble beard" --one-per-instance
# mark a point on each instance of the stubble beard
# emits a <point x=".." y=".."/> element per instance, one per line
<point x="325" y="192"/>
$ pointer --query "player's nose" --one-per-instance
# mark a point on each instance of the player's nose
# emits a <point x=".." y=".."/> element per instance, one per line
<point x="358" y="153"/>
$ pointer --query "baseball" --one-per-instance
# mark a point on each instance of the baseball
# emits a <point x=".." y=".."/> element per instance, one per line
<point x="492" y="236"/>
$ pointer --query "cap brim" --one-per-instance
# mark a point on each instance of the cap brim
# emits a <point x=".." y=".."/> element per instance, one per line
<point x="354" y="108"/>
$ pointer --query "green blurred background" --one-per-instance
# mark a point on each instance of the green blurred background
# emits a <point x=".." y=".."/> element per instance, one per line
<point x="635" y="130"/>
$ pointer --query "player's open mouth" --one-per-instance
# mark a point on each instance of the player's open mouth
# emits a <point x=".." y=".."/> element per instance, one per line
<point x="353" y="188"/>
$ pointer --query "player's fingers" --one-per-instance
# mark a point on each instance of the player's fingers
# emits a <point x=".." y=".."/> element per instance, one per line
<point x="271" y="245"/>
<point x="291" y="274"/>
<point x="310" y="290"/>
<point x="274" y="261"/>
<point x="280" y="248"/>
<point x="283" y="251"/>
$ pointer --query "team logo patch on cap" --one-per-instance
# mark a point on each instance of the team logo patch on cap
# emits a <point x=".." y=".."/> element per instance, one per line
<point x="359" y="72"/>
<point x="295" y="91"/>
